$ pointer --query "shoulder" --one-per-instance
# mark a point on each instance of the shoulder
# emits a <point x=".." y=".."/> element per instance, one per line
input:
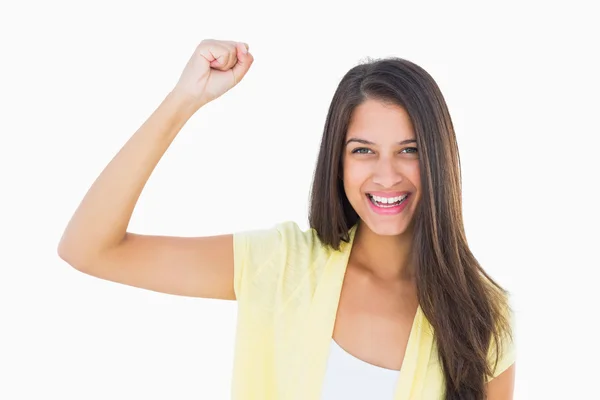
<point x="263" y="257"/>
<point x="298" y="241"/>
<point x="281" y="238"/>
<point x="502" y="351"/>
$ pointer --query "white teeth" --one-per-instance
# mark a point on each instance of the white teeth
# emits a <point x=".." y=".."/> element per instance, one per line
<point x="388" y="200"/>
<point x="384" y="201"/>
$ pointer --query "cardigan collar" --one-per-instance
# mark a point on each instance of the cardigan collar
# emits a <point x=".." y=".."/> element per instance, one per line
<point x="320" y="325"/>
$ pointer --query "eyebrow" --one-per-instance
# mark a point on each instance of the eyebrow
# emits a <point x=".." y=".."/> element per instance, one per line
<point x="363" y="141"/>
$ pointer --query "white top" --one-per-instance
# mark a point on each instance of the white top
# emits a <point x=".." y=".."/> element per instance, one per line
<point x="351" y="378"/>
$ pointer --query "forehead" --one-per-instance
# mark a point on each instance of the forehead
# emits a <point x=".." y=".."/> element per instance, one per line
<point x="373" y="119"/>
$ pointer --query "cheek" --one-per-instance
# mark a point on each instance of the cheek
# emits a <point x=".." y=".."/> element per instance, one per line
<point x="414" y="174"/>
<point x="354" y="177"/>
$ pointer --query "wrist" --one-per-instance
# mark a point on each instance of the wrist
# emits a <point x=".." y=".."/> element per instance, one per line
<point x="185" y="104"/>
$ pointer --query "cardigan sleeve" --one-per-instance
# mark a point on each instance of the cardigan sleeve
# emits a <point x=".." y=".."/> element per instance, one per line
<point x="262" y="256"/>
<point x="508" y="349"/>
<point x="252" y="251"/>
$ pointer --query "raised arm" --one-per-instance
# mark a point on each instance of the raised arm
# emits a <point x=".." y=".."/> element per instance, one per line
<point x="96" y="240"/>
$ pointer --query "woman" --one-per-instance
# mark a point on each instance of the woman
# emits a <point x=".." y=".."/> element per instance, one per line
<point x="380" y="299"/>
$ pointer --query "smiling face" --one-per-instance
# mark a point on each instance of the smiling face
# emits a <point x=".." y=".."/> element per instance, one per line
<point x="381" y="167"/>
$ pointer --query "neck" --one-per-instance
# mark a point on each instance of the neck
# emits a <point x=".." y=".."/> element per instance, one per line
<point x="384" y="257"/>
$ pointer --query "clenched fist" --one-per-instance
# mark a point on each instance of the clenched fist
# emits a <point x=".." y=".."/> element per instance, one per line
<point x="215" y="67"/>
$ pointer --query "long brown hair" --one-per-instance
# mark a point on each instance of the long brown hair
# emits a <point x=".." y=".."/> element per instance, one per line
<point x="465" y="306"/>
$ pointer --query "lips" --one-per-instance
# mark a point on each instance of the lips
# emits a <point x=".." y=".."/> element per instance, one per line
<point x="389" y="193"/>
<point x="385" y="200"/>
<point x="388" y="205"/>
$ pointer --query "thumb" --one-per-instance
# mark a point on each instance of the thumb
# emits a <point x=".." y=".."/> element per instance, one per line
<point x="244" y="61"/>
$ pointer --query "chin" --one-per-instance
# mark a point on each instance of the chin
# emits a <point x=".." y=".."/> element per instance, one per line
<point x="385" y="228"/>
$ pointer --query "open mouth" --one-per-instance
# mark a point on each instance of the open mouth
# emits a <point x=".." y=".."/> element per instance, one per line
<point x="387" y="202"/>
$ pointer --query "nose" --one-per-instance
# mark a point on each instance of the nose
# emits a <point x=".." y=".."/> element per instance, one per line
<point x="386" y="173"/>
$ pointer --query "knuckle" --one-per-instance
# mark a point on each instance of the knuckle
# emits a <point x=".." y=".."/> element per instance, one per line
<point x="204" y="42"/>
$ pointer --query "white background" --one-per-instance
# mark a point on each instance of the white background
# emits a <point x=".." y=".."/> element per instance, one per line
<point x="78" y="78"/>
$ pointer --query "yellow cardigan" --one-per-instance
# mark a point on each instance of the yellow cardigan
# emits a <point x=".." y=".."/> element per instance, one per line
<point x="288" y="286"/>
